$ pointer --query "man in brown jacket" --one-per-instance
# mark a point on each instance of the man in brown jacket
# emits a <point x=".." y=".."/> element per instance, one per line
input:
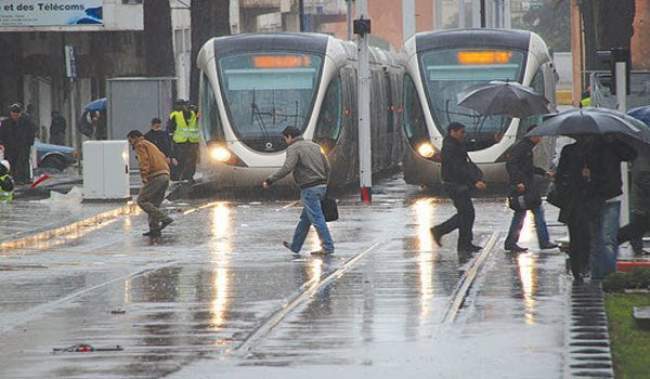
<point x="155" y="176"/>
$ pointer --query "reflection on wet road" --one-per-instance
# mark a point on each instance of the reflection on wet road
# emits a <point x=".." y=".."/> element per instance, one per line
<point x="218" y="294"/>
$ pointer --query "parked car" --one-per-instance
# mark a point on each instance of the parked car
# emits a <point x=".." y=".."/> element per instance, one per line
<point x="54" y="156"/>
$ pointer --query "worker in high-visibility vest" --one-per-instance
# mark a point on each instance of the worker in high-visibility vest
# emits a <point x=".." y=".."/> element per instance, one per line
<point x="6" y="183"/>
<point x="585" y="101"/>
<point x="184" y="129"/>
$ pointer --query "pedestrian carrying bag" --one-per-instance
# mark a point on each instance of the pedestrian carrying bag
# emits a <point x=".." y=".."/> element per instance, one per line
<point x="524" y="201"/>
<point x="330" y="209"/>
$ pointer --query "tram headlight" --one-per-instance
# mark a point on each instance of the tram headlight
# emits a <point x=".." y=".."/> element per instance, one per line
<point x="426" y="150"/>
<point x="220" y="153"/>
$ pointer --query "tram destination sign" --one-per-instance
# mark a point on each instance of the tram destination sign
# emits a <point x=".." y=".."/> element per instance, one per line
<point x="39" y="13"/>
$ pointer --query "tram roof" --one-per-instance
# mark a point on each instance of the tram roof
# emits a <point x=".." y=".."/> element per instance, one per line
<point x="465" y="38"/>
<point x="303" y="42"/>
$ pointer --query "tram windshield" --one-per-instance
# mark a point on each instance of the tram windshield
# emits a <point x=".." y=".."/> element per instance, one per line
<point x="450" y="72"/>
<point x="266" y="92"/>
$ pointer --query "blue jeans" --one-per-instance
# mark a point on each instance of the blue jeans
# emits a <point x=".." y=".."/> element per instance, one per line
<point x="518" y="223"/>
<point x="604" y="244"/>
<point x="312" y="214"/>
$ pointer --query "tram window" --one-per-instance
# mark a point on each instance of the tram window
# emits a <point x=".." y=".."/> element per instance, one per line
<point x="328" y="128"/>
<point x="414" y="125"/>
<point x="450" y="72"/>
<point x="209" y="120"/>
<point x="267" y="92"/>
<point x="538" y="82"/>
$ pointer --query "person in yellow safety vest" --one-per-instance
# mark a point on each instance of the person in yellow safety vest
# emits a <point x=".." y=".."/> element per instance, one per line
<point x="6" y="183"/>
<point x="586" y="98"/>
<point x="184" y="128"/>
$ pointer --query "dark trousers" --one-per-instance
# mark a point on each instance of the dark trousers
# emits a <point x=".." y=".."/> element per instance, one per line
<point x="19" y="160"/>
<point x="151" y="196"/>
<point x="57" y="138"/>
<point x="579" y="245"/>
<point x="187" y="155"/>
<point x="463" y="220"/>
<point x="634" y="231"/>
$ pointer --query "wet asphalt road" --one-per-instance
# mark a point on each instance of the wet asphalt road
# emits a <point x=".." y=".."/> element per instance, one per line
<point x="218" y="296"/>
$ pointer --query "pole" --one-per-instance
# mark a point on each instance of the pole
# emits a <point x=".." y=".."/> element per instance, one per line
<point x="482" y="3"/>
<point x="621" y="99"/>
<point x="507" y="14"/>
<point x="476" y="13"/>
<point x="301" y="14"/>
<point x="437" y="15"/>
<point x="408" y="19"/>
<point x="349" y="2"/>
<point x="461" y="13"/>
<point x="365" y="144"/>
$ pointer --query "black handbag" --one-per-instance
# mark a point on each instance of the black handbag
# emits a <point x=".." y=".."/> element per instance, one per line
<point x="555" y="197"/>
<point x="524" y="201"/>
<point x="330" y="209"/>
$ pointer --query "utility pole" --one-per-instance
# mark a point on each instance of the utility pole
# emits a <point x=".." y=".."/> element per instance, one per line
<point x="507" y="14"/>
<point x="350" y="19"/>
<point x="362" y="29"/>
<point x="301" y="14"/>
<point x="461" y="13"/>
<point x="437" y="15"/>
<point x="408" y="19"/>
<point x="620" y="67"/>
<point x="482" y="4"/>
<point x="476" y="13"/>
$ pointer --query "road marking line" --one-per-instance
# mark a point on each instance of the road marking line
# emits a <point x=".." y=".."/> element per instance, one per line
<point x="291" y="204"/>
<point x="465" y="283"/>
<point x="305" y="292"/>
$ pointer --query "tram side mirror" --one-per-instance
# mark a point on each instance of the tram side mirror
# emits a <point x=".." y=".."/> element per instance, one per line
<point x="361" y="26"/>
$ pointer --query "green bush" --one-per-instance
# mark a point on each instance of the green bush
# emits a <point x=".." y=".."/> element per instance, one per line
<point x="639" y="278"/>
<point x="615" y="282"/>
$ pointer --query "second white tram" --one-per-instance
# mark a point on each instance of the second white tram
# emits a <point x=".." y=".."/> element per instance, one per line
<point x="443" y="64"/>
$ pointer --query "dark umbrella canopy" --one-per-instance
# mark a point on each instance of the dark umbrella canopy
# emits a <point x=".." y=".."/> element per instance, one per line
<point x="593" y="121"/>
<point x="641" y="113"/>
<point x="504" y="98"/>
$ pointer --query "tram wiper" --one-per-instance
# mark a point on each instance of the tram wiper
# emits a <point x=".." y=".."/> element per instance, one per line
<point x="256" y="115"/>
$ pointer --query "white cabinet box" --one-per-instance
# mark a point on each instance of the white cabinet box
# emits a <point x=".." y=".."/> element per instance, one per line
<point x="106" y="170"/>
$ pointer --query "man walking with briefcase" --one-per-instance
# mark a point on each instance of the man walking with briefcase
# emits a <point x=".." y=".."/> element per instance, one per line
<point x="522" y="179"/>
<point x="310" y="171"/>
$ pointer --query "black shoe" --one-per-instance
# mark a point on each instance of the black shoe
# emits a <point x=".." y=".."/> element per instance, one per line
<point x="322" y="253"/>
<point x="165" y="223"/>
<point x="469" y="249"/>
<point x="548" y="246"/>
<point x="437" y="236"/>
<point x="152" y="233"/>
<point x="516" y="248"/>
<point x="288" y="246"/>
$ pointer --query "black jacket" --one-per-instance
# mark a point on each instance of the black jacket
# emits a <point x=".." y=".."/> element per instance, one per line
<point x="161" y="139"/>
<point x="577" y="193"/>
<point x="457" y="168"/>
<point x="58" y="125"/>
<point x="16" y="135"/>
<point x="604" y="159"/>
<point x="520" y="164"/>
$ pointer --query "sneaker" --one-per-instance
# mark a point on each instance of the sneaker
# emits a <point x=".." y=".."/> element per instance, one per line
<point x="165" y="223"/>
<point x="437" y="236"/>
<point x="152" y="233"/>
<point x="515" y="248"/>
<point x="322" y="253"/>
<point x="548" y="246"/>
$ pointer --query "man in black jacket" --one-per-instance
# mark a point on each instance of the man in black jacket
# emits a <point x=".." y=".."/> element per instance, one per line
<point x="522" y="173"/>
<point x="460" y="176"/>
<point x="162" y="141"/>
<point x="17" y="136"/>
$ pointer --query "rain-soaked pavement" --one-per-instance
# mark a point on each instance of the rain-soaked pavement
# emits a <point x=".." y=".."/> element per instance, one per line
<point x="218" y="296"/>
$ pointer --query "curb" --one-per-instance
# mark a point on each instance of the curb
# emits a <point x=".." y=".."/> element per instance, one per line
<point x="77" y="228"/>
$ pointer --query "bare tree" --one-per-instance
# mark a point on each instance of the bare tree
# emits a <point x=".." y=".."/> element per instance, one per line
<point x="210" y="18"/>
<point x="158" y="48"/>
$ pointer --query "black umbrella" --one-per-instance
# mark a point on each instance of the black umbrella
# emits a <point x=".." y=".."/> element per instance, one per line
<point x="504" y="98"/>
<point x="593" y="121"/>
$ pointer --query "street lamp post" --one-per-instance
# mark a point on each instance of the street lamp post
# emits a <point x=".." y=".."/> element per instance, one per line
<point x="362" y="29"/>
<point x="301" y="14"/>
